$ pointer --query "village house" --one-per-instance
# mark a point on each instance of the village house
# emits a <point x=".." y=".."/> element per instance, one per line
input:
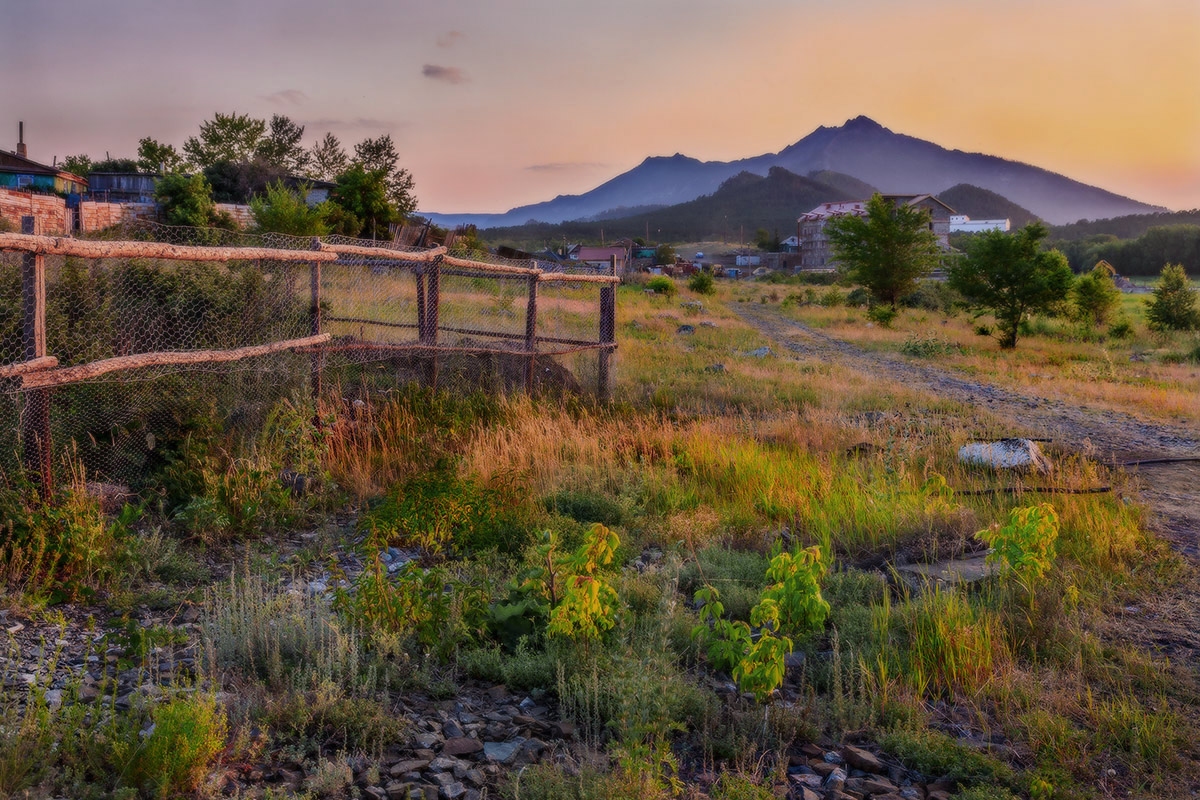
<point x="815" y="252"/>
<point x="601" y="257"/>
<point x="961" y="223"/>
<point x="18" y="171"/>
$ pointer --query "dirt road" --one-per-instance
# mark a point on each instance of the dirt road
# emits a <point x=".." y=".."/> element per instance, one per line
<point x="1171" y="490"/>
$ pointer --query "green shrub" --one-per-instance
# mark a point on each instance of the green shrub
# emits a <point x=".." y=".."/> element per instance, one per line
<point x="858" y="298"/>
<point x="440" y="511"/>
<point x="1121" y="329"/>
<point x="284" y="210"/>
<point x="185" y="199"/>
<point x="702" y="283"/>
<point x="661" y="284"/>
<point x="732" y="786"/>
<point x="188" y="734"/>
<point x="587" y="506"/>
<point x="882" y="315"/>
<point x="927" y="346"/>
<point x="1173" y="307"/>
<point x="831" y="298"/>
<point x="935" y="753"/>
<point x="1094" y="297"/>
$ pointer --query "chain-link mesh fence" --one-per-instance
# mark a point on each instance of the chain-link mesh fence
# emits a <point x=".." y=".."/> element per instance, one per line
<point x="340" y="323"/>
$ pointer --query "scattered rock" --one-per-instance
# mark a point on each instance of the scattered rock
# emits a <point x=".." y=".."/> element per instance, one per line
<point x="708" y="324"/>
<point x="864" y="760"/>
<point x="715" y="368"/>
<point x="759" y="352"/>
<point x="954" y="571"/>
<point x="686" y="329"/>
<point x="461" y="746"/>
<point x="1015" y="454"/>
<point x="503" y="752"/>
<point x="411" y="765"/>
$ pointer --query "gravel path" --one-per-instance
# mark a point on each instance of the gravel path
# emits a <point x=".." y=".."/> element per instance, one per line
<point x="1171" y="490"/>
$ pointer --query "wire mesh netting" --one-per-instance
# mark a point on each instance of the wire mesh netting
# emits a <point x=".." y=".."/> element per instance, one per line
<point x="455" y="322"/>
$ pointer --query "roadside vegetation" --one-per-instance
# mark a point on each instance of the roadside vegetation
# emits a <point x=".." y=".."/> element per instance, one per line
<point x="702" y="585"/>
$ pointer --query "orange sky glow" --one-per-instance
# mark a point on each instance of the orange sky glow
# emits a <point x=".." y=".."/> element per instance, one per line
<point x="494" y="105"/>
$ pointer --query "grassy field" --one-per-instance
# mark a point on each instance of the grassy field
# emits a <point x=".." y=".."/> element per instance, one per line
<point x="1147" y="374"/>
<point x="559" y="549"/>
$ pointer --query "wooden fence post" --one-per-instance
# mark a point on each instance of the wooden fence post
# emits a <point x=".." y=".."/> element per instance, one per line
<point x="318" y="359"/>
<point x="531" y="332"/>
<point x="35" y="434"/>
<point x="608" y="332"/>
<point x="433" y="302"/>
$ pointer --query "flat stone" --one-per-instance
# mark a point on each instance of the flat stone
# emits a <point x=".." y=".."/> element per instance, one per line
<point x="451" y="791"/>
<point x="954" y="571"/>
<point x="878" y="785"/>
<point x="759" y="352"/>
<point x="685" y="329"/>
<point x="864" y="760"/>
<point x="426" y="741"/>
<point x="451" y="729"/>
<point x="503" y="752"/>
<point x="461" y="746"/>
<point x="411" y="765"/>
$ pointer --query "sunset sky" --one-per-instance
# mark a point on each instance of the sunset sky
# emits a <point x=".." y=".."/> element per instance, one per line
<point x="497" y="104"/>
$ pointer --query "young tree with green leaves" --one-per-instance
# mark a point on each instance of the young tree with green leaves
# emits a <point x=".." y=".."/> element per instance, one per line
<point x="364" y="194"/>
<point x="80" y="164"/>
<point x="1095" y="297"/>
<point x="1010" y="275"/>
<point x="887" y="250"/>
<point x="281" y="146"/>
<point x="379" y="155"/>
<point x="327" y="159"/>
<point x="226" y="137"/>
<point x="185" y="200"/>
<point x="283" y="210"/>
<point x="154" y="156"/>
<point x="664" y="254"/>
<point x="1173" y="307"/>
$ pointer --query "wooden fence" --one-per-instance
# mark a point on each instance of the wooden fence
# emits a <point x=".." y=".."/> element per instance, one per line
<point x="39" y="372"/>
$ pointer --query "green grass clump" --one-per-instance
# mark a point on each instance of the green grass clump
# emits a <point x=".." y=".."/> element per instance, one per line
<point x="188" y="734"/>
<point x="936" y="754"/>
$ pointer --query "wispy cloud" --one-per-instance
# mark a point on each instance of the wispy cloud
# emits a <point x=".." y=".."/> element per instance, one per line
<point x="449" y="38"/>
<point x="447" y="74"/>
<point x="565" y="166"/>
<point x="286" y="97"/>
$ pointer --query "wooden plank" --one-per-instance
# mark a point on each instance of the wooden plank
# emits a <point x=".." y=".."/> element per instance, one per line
<point x="57" y="377"/>
<point x="52" y="245"/>
<point x="35" y="433"/>
<point x="531" y="331"/>
<point x="32" y="365"/>
<point x="569" y="278"/>
<point x="485" y="267"/>
<point x="385" y="253"/>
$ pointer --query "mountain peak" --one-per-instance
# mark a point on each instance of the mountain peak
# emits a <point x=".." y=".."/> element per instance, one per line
<point x="862" y="123"/>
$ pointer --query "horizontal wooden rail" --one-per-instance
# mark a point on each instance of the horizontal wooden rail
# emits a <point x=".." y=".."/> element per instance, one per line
<point x="417" y="346"/>
<point x="466" y="331"/>
<point x="56" y="377"/>
<point x="483" y="266"/>
<point x="568" y="277"/>
<point x="382" y="252"/>
<point x="83" y="248"/>
<point x="32" y="365"/>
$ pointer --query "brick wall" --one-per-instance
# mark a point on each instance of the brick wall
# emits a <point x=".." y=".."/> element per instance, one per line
<point x="49" y="211"/>
<point x="240" y="213"/>
<point x="95" y="216"/>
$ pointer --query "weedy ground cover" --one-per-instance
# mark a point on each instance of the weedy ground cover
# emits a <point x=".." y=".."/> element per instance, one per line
<point x="703" y="576"/>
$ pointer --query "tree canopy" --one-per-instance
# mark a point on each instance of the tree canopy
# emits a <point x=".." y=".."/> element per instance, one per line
<point x="154" y="156"/>
<point x="226" y="137"/>
<point x="1173" y="307"/>
<point x="887" y="250"/>
<point x="1011" y="275"/>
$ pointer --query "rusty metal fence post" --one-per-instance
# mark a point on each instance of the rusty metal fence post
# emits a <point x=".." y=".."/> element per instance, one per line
<point x="35" y="427"/>
<point x="608" y="333"/>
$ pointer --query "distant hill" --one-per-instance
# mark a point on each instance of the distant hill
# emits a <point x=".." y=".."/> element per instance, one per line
<point x="853" y="187"/>
<point x="741" y="205"/>
<point x="862" y="149"/>
<point x="979" y="203"/>
<point x="1127" y="227"/>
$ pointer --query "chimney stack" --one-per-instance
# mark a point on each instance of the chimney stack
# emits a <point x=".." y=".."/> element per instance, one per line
<point x="21" y="151"/>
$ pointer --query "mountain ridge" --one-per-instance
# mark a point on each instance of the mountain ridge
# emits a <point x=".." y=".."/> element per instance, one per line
<point x="862" y="149"/>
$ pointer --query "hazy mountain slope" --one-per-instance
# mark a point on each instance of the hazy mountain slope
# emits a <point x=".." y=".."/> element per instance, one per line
<point x="979" y="203"/>
<point x="741" y="205"/>
<point x="863" y="149"/>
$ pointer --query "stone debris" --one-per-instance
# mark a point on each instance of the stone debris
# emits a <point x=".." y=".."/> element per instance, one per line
<point x="1006" y="454"/>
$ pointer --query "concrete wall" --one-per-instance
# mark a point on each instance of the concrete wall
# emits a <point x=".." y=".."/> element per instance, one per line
<point x="241" y="214"/>
<point x="49" y="211"/>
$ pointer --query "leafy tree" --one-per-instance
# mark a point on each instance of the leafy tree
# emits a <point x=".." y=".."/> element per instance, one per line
<point x="238" y="181"/>
<point x="1095" y="296"/>
<point x="364" y="193"/>
<point x="379" y="155"/>
<point x="1011" y="276"/>
<point x="888" y="250"/>
<point x="154" y="156"/>
<point x="664" y="254"/>
<point x="327" y="159"/>
<point x="762" y="239"/>
<point x="283" y="210"/>
<point x="226" y="137"/>
<point x="1173" y="307"/>
<point x="702" y="283"/>
<point x="281" y="146"/>
<point x="115" y="165"/>
<point x="185" y="200"/>
<point x="79" y="165"/>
